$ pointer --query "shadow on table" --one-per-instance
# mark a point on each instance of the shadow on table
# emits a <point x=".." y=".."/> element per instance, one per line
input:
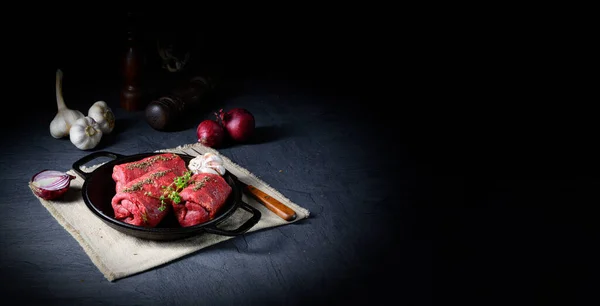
<point x="121" y="125"/>
<point x="263" y="134"/>
<point x="71" y="196"/>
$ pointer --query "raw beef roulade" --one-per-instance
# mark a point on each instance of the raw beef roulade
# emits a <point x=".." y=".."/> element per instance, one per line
<point x="138" y="202"/>
<point x="201" y="199"/>
<point x="124" y="173"/>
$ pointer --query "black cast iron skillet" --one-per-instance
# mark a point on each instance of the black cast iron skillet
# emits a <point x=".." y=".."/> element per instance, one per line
<point x="99" y="188"/>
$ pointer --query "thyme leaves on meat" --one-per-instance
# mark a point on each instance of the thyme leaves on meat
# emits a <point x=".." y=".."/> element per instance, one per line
<point x="171" y="192"/>
<point x="144" y="217"/>
<point x="148" y="162"/>
<point x="201" y="183"/>
<point x="150" y="180"/>
<point x="138" y="186"/>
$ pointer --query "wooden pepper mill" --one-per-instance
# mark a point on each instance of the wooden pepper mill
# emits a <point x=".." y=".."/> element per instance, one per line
<point x="131" y="93"/>
<point x="166" y="112"/>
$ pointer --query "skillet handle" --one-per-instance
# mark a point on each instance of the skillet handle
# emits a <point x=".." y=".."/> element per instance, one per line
<point x="82" y="161"/>
<point x="242" y="228"/>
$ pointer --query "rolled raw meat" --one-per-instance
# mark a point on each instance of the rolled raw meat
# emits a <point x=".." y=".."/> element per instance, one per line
<point x="138" y="202"/>
<point x="127" y="172"/>
<point x="201" y="199"/>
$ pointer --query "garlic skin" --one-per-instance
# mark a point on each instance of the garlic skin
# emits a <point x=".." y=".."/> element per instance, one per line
<point x="64" y="119"/>
<point x="103" y="115"/>
<point x="85" y="133"/>
<point x="207" y="163"/>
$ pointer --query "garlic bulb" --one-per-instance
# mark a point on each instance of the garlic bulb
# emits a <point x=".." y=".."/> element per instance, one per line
<point x="103" y="116"/>
<point x="207" y="163"/>
<point x="85" y="133"/>
<point x="64" y="119"/>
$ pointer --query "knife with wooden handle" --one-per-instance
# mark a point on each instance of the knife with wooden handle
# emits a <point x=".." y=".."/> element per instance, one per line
<point x="271" y="203"/>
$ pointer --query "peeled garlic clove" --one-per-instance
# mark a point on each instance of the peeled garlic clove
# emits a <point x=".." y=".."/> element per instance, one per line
<point x="216" y="169"/>
<point x="208" y="170"/>
<point x="211" y="158"/>
<point x="85" y="133"/>
<point x="64" y="119"/>
<point x="207" y="163"/>
<point x="213" y="161"/>
<point x="103" y="116"/>
<point x="195" y="164"/>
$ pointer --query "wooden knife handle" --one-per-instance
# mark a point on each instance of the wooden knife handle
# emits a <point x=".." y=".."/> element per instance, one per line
<point x="272" y="204"/>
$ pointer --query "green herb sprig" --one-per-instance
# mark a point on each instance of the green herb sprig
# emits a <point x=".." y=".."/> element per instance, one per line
<point x="171" y="192"/>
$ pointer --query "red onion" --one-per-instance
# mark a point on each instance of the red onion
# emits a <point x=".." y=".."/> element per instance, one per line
<point x="50" y="184"/>
<point x="238" y="122"/>
<point x="210" y="133"/>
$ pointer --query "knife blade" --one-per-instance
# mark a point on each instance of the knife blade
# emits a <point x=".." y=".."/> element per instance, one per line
<point x="274" y="205"/>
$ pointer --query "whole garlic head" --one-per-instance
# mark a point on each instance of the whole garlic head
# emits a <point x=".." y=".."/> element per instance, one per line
<point x="85" y="133"/>
<point x="65" y="117"/>
<point x="207" y="163"/>
<point x="62" y="122"/>
<point x="103" y="115"/>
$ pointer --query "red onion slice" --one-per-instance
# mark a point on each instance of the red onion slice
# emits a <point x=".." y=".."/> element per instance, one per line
<point x="50" y="184"/>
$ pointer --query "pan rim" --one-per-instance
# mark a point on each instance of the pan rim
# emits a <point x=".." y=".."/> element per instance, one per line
<point x="231" y="180"/>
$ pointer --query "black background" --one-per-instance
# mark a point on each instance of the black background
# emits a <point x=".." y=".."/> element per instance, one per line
<point x="495" y="116"/>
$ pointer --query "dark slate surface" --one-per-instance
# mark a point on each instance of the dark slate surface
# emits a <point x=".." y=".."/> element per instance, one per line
<point x="434" y="169"/>
<point x="322" y="151"/>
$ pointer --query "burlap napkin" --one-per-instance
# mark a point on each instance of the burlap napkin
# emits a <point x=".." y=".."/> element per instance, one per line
<point x="118" y="255"/>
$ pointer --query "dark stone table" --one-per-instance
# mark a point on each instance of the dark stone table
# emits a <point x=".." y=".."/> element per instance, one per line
<point x="426" y="179"/>
<point x="322" y="150"/>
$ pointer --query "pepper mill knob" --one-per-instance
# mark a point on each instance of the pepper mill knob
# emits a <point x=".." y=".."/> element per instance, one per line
<point x="165" y="112"/>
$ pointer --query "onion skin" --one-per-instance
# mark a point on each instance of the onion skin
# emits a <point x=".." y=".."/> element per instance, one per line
<point x="50" y="193"/>
<point x="210" y="133"/>
<point x="238" y="122"/>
